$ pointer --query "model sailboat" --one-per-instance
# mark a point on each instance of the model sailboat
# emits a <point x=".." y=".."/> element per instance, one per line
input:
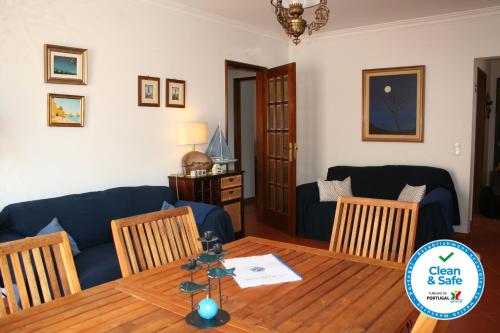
<point x="218" y="149"/>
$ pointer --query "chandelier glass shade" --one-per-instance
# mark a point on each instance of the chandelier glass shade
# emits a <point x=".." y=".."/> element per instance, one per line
<point x="289" y="15"/>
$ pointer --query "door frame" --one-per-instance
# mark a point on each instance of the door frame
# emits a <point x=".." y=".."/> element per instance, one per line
<point x="479" y="141"/>
<point x="230" y="64"/>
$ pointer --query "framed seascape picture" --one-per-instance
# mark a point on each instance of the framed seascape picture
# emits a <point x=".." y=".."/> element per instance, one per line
<point x="66" y="65"/>
<point x="176" y="93"/>
<point x="393" y="104"/>
<point x="65" y="110"/>
<point x="149" y="91"/>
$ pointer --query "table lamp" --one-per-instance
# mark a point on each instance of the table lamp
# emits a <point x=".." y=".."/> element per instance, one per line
<point x="194" y="133"/>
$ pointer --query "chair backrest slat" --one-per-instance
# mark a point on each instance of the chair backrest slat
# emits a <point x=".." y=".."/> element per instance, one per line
<point x="159" y="243"/>
<point x="150" y="240"/>
<point x="361" y="233"/>
<point x="20" y="282"/>
<point x="165" y="240"/>
<point x="8" y="284"/>
<point x="369" y="225"/>
<point x="28" y="268"/>
<point x="42" y="275"/>
<point x="390" y="224"/>
<point x="39" y="279"/>
<point x="51" y="272"/>
<point x="375" y="228"/>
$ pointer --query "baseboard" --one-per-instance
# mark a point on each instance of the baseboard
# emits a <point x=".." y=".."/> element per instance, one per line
<point x="249" y="200"/>
<point x="461" y="236"/>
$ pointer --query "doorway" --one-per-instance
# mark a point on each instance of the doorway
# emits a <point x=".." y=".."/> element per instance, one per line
<point x="241" y="115"/>
<point x="486" y="167"/>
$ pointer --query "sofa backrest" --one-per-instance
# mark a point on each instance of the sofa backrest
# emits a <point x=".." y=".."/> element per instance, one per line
<point x="86" y="217"/>
<point x="387" y="181"/>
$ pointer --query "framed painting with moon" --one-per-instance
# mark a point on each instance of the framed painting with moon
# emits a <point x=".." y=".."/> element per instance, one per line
<point x="393" y="104"/>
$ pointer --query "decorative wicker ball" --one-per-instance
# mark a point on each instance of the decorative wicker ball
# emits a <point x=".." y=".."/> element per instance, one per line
<point x="195" y="160"/>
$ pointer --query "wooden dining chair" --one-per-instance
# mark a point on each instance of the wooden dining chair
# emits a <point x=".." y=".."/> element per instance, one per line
<point x="375" y="228"/>
<point x="426" y="324"/>
<point x="43" y="269"/>
<point x="150" y="240"/>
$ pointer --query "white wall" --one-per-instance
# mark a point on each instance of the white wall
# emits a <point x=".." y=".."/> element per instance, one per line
<point x="248" y="118"/>
<point x="121" y="143"/>
<point x="329" y="71"/>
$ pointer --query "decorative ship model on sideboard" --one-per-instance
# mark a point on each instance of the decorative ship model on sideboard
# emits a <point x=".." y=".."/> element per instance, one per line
<point x="218" y="149"/>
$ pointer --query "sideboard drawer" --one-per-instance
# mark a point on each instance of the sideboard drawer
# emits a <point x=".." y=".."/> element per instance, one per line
<point x="232" y="181"/>
<point x="233" y="193"/>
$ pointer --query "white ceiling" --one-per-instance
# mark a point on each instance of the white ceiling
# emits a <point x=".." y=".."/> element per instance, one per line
<point x="344" y="14"/>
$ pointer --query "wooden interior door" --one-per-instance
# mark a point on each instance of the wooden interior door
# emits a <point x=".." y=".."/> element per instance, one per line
<point x="277" y="145"/>
<point x="480" y="140"/>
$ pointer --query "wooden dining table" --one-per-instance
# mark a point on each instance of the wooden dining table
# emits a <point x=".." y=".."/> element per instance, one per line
<point x="338" y="293"/>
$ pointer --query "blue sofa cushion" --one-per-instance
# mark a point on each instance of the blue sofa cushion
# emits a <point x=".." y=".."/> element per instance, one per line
<point x="87" y="217"/>
<point x="97" y="265"/>
<point x="54" y="227"/>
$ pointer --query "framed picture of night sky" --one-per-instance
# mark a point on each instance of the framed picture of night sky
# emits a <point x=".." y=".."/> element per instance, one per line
<point x="65" y="65"/>
<point x="393" y="104"/>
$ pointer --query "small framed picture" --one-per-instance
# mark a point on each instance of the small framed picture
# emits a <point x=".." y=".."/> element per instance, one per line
<point x="65" y="65"/>
<point x="393" y="104"/>
<point x="176" y="93"/>
<point x="65" y="110"/>
<point x="149" y="91"/>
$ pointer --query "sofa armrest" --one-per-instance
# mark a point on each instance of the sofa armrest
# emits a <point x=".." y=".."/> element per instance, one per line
<point x="218" y="221"/>
<point x="436" y="216"/>
<point x="307" y="194"/>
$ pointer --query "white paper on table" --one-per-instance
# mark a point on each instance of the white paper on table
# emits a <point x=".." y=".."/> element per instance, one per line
<point x="260" y="270"/>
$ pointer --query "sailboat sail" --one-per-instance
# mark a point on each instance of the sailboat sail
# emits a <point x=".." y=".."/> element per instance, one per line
<point x="218" y="150"/>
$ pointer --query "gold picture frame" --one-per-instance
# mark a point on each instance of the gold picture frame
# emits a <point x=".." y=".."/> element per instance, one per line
<point x="65" y="65"/>
<point x="176" y="93"/>
<point x="393" y="104"/>
<point x="148" y="91"/>
<point x="65" y="110"/>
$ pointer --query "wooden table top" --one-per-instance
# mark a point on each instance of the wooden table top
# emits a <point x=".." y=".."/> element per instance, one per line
<point x="339" y="293"/>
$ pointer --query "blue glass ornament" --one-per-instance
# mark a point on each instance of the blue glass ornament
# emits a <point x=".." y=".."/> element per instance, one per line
<point x="207" y="308"/>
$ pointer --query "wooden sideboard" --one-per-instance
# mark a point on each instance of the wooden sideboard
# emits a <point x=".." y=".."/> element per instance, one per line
<point x="225" y="190"/>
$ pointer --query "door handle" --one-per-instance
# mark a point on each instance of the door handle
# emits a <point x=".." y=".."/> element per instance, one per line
<point x="295" y="148"/>
<point x="290" y="152"/>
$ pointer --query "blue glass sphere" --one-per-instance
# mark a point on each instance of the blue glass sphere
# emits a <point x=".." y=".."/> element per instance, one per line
<point x="207" y="308"/>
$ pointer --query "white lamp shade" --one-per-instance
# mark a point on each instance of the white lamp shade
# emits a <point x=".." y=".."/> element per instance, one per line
<point x="192" y="133"/>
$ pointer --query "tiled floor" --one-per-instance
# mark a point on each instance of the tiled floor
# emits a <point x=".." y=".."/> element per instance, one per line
<point x="485" y="239"/>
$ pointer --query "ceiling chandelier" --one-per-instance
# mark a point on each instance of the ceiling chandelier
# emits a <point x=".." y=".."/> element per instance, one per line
<point x="289" y="15"/>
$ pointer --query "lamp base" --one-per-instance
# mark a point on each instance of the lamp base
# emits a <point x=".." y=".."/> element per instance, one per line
<point x="195" y="160"/>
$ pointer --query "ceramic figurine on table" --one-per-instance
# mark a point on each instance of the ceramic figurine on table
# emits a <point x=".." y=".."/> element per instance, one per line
<point x="208" y="313"/>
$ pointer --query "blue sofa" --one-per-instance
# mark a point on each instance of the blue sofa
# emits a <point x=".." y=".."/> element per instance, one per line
<point x="438" y="211"/>
<point x="87" y="218"/>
